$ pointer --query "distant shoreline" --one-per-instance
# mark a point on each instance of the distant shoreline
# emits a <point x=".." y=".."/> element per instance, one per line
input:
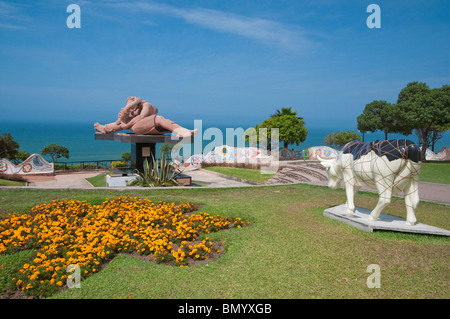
<point x="78" y="137"/>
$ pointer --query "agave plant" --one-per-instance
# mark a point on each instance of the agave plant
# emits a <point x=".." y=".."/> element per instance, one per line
<point x="160" y="173"/>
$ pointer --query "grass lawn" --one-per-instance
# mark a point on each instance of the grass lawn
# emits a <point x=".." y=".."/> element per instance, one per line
<point x="435" y="172"/>
<point x="290" y="251"/>
<point x="98" y="181"/>
<point x="253" y="175"/>
<point x="5" y="182"/>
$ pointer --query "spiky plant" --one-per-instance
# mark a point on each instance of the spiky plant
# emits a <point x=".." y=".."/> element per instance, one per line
<point x="160" y="173"/>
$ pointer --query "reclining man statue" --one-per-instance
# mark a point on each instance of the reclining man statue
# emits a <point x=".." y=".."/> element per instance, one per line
<point x="142" y="118"/>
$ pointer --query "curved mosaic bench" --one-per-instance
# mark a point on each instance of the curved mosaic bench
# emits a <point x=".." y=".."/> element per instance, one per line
<point x="223" y="153"/>
<point x="324" y="152"/>
<point x="443" y="155"/>
<point x="34" y="164"/>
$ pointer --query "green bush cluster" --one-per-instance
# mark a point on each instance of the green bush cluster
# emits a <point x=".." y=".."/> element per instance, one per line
<point x="119" y="164"/>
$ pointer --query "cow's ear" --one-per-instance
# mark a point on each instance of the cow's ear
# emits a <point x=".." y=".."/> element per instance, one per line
<point x="324" y="162"/>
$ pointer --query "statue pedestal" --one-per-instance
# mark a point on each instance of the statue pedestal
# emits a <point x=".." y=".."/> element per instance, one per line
<point x="142" y="146"/>
<point x="385" y="222"/>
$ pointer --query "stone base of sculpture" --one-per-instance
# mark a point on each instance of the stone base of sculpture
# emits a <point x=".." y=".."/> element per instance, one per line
<point x="121" y="179"/>
<point x="142" y="146"/>
<point x="360" y="220"/>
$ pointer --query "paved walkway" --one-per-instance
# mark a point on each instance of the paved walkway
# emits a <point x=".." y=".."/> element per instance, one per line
<point x="62" y="180"/>
<point x="439" y="193"/>
<point x="212" y="179"/>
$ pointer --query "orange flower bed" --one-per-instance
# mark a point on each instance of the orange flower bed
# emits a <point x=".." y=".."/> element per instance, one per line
<point x="75" y="232"/>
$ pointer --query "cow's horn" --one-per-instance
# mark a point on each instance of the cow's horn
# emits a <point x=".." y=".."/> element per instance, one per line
<point x="325" y="162"/>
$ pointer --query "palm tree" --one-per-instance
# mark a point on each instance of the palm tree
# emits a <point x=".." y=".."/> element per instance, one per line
<point x="284" y="111"/>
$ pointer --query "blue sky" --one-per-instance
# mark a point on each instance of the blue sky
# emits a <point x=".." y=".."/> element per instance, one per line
<point x="226" y="62"/>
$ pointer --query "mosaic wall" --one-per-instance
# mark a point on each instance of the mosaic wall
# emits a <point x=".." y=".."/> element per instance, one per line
<point x="34" y="164"/>
<point x="224" y="153"/>
<point x="324" y="152"/>
<point x="443" y="155"/>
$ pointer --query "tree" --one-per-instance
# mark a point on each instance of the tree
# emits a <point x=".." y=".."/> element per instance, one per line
<point x="166" y="149"/>
<point x="126" y="156"/>
<point x="21" y="156"/>
<point x="437" y="133"/>
<point x="55" y="151"/>
<point x="378" y="115"/>
<point x="8" y="147"/>
<point x="291" y="129"/>
<point x="338" y="140"/>
<point x="423" y="110"/>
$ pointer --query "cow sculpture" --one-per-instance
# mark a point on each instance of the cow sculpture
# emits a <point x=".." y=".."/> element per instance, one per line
<point x="390" y="167"/>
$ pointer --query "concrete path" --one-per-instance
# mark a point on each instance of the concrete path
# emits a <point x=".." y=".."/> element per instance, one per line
<point x="438" y="193"/>
<point x="64" y="180"/>
<point x="212" y="179"/>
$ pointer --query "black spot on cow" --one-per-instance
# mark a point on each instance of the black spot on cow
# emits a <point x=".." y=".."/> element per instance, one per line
<point x="392" y="149"/>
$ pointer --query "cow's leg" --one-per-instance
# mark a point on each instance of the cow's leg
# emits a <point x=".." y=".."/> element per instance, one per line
<point x="385" y="193"/>
<point x="350" y="204"/>
<point x="382" y="203"/>
<point x="384" y="173"/>
<point x="350" y="186"/>
<point x="412" y="193"/>
<point x="411" y="202"/>
<point x="355" y="191"/>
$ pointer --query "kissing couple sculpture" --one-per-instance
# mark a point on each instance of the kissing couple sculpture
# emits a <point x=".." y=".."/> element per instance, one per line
<point x="142" y="118"/>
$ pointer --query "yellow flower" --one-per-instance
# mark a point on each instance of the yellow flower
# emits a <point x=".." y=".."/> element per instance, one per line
<point x="89" y="233"/>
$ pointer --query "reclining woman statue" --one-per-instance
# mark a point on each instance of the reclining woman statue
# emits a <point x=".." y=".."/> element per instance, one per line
<point x="142" y="118"/>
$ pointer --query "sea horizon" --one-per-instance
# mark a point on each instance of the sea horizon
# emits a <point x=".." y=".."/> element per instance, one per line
<point x="79" y="138"/>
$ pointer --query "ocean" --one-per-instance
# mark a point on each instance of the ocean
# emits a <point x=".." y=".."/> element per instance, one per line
<point x="79" y="139"/>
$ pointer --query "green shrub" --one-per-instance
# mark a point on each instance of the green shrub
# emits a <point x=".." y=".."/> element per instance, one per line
<point x="67" y="167"/>
<point x="119" y="164"/>
<point x="12" y="177"/>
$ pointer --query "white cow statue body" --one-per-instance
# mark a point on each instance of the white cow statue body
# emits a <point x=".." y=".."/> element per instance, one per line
<point x="390" y="167"/>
